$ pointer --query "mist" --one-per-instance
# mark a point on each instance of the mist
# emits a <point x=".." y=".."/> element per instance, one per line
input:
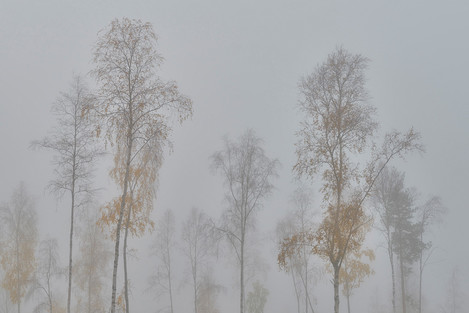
<point x="247" y="78"/>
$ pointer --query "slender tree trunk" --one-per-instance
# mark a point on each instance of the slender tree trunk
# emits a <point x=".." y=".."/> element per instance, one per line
<point x="336" y="265"/>
<point x="170" y="286"/>
<point x="18" y="285"/>
<point x="307" y="297"/>
<point x="347" y="295"/>
<point x="195" y="300"/>
<point x="420" y="292"/>
<point x="347" y="285"/>
<point x="72" y="209"/>
<point x="89" y="293"/>
<point x="306" y="286"/>
<point x="296" y="289"/>
<point x="241" y="283"/>
<point x="403" y="286"/>
<point x="420" y="275"/>
<point x="126" y="281"/>
<point x="194" y="277"/>
<point x="391" y="260"/>
<point x="71" y="242"/>
<point x="348" y="303"/>
<point x="119" y="223"/>
<point x="309" y="301"/>
<point x="70" y="256"/>
<point x="50" y="304"/>
<point x="336" y="288"/>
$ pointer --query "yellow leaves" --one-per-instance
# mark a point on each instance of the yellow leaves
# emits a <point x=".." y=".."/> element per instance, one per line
<point x="19" y="265"/>
<point x="354" y="271"/>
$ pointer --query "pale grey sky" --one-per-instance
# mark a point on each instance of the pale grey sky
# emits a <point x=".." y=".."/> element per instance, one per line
<point x="240" y="62"/>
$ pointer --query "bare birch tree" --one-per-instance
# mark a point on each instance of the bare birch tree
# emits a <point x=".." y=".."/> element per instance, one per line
<point x="135" y="104"/>
<point x="338" y="126"/>
<point x="430" y="212"/>
<point x="18" y="245"/>
<point x="456" y="296"/>
<point x="163" y="247"/>
<point x="199" y="244"/>
<point x="48" y="271"/>
<point x="293" y="265"/>
<point x="73" y="142"/>
<point x="247" y="173"/>
<point x="91" y="267"/>
<point x="386" y="197"/>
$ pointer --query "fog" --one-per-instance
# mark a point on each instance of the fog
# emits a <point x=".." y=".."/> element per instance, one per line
<point x="241" y="62"/>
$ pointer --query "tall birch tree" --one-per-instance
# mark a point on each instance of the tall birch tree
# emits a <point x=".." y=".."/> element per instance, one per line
<point x="247" y="173"/>
<point x="199" y="244"/>
<point x="298" y="222"/>
<point x="135" y="104"/>
<point x="48" y="272"/>
<point x="388" y="195"/>
<point x="73" y="142"/>
<point x="337" y="127"/>
<point x="429" y="213"/>
<point x="162" y="281"/>
<point x="143" y="176"/>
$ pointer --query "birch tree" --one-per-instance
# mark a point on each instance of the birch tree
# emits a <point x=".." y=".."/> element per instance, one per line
<point x="19" y="240"/>
<point x="163" y="248"/>
<point x="91" y="267"/>
<point x="388" y="195"/>
<point x="48" y="272"/>
<point x="402" y="225"/>
<point x="430" y="212"/>
<point x="406" y="239"/>
<point x="73" y="142"/>
<point x="337" y="127"/>
<point x="135" y="104"/>
<point x="298" y="264"/>
<point x="143" y="175"/>
<point x="199" y="244"/>
<point x="247" y="173"/>
<point x="290" y="264"/>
